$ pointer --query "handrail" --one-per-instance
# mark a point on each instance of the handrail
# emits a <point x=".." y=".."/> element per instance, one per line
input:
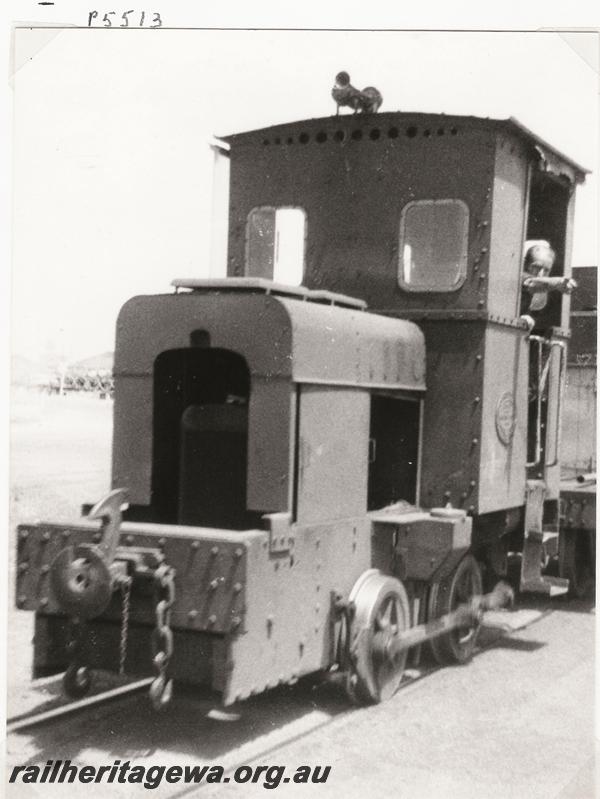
<point x="543" y="371"/>
<point x="561" y="377"/>
<point x="541" y="380"/>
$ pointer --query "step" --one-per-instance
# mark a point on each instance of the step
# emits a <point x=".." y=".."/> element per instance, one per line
<point x="550" y="586"/>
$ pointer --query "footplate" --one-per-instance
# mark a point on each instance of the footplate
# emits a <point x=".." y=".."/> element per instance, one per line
<point x="538" y="544"/>
<point x="532" y="580"/>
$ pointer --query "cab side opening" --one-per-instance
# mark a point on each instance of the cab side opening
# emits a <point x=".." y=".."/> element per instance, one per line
<point x="393" y="451"/>
<point x="547" y="220"/>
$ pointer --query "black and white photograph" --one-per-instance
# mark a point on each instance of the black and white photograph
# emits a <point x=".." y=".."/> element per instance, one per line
<point x="302" y="470"/>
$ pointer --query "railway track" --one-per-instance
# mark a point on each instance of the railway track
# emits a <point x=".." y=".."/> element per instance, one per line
<point x="497" y="625"/>
<point x="29" y="720"/>
<point x="313" y="723"/>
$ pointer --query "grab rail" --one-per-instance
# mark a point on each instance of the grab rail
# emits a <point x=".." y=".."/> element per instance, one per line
<point x="543" y="371"/>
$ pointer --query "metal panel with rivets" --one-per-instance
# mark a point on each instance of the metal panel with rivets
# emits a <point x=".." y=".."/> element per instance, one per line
<point x="502" y="473"/>
<point x="477" y="393"/>
<point x="375" y="166"/>
<point x="288" y="620"/>
<point x="210" y="582"/>
<point x="452" y="412"/>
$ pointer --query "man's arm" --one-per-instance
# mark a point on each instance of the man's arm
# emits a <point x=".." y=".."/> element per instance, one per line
<point x="536" y="285"/>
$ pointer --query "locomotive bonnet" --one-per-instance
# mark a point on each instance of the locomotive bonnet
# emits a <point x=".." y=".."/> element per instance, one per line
<point x="325" y="458"/>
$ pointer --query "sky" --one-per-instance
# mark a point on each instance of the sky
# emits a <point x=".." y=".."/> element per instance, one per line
<point x="113" y="192"/>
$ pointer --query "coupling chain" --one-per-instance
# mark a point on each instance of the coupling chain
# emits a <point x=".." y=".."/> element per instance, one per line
<point x="126" y="597"/>
<point x="162" y="639"/>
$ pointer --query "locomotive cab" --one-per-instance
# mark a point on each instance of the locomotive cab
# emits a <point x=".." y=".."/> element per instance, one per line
<point x="429" y="223"/>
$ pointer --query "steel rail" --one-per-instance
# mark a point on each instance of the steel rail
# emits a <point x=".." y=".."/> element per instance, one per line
<point x="412" y="676"/>
<point x="22" y="722"/>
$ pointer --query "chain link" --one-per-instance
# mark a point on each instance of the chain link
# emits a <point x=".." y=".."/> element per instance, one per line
<point x="126" y="597"/>
<point x="163" y="635"/>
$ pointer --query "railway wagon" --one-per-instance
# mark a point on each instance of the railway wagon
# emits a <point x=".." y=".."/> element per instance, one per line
<point x="325" y="458"/>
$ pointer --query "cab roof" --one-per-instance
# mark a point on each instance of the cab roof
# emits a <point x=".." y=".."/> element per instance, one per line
<point x="394" y="123"/>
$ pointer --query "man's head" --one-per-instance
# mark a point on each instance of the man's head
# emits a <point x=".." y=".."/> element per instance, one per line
<point x="539" y="258"/>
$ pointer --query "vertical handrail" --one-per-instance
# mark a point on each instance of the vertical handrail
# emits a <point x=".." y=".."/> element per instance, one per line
<point x="542" y="374"/>
<point x="561" y="376"/>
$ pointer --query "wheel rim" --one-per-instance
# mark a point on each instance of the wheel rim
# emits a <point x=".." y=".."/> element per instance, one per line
<point x="445" y="596"/>
<point x="381" y="615"/>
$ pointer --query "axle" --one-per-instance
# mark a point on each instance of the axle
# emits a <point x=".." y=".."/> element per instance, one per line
<point x="389" y="645"/>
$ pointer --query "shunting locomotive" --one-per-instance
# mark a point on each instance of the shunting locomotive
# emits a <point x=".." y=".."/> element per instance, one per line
<point x="330" y="455"/>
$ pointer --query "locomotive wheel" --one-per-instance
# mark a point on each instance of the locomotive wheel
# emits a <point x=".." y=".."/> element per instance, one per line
<point x="77" y="681"/>
<point x="381" y="614"/>
<point x="446" y="595"/>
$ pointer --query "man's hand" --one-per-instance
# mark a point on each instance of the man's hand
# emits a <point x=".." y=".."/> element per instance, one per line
<point x="529" y="321"/>
<point x="567" y="285"/>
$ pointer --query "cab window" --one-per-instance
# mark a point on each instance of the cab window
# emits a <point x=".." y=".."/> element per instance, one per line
<point x="433" y="245"/>
<point x="275" y="244"/>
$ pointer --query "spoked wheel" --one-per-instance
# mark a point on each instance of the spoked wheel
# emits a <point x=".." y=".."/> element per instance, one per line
<point x="381" y="614"/>
<point x="445" y="596"/>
